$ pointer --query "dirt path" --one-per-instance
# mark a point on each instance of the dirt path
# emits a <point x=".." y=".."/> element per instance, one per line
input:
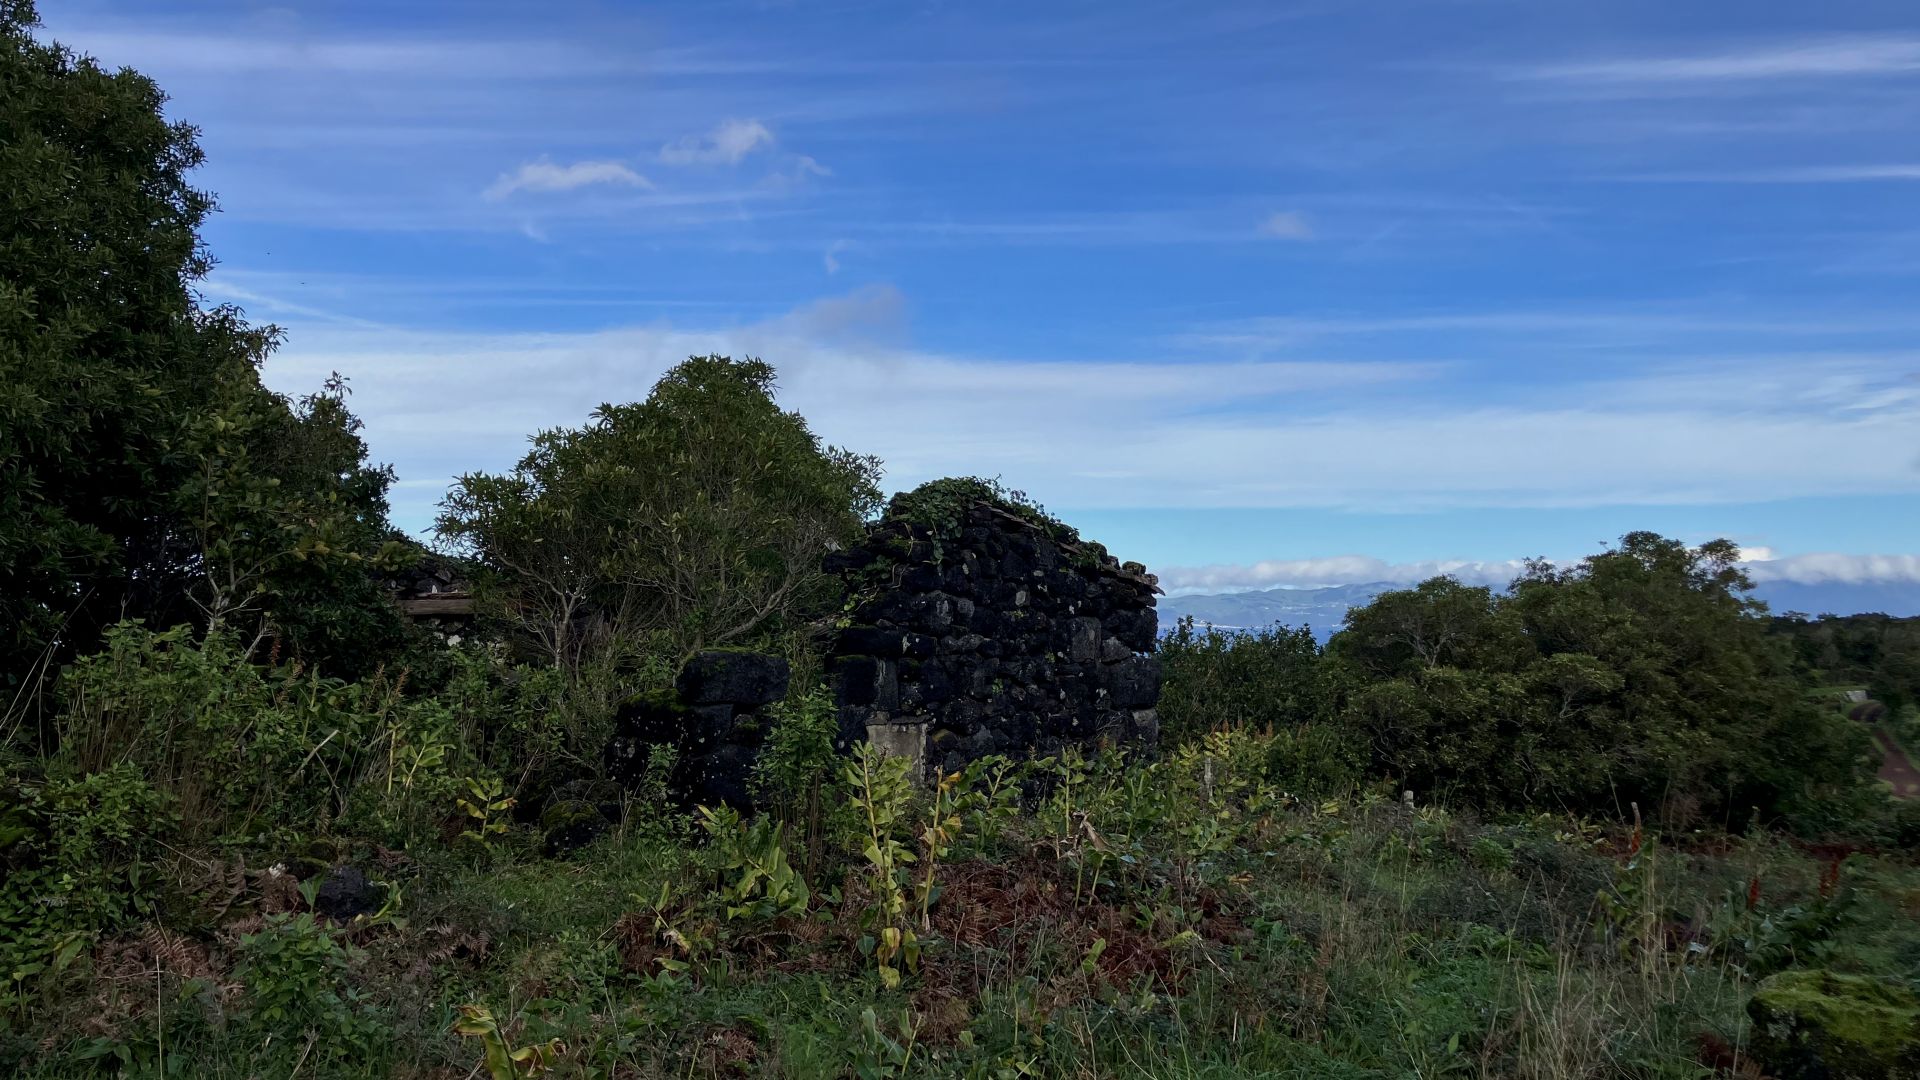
<point x="1896" y="767"/>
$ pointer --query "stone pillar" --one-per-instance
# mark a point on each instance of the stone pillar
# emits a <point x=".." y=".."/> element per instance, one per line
<point x="905" y="737"/>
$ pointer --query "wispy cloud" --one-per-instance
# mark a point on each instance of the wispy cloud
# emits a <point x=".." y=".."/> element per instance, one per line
<point x="1804" y="174"/>
<point x="1332" y="570"/>
<point x="727" y="144"/>
<point x="830" y="258"/>
<point x="1701" y="328"/>
<point x="797" y="170"/>
<point x="1177" y="432"/>
<point x="1287" y="225"/>
<point x="1829" y="568"/>
<point x="546" y="176"/>
<point x="228" y="54"/>
<point x="1823" y="57"/>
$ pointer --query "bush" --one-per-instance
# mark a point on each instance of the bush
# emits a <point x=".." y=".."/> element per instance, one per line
<point x="1258" y="680"/>
<point x="76" y="853"/>
<point x="1315" y="760"/>
<point x="296" y="974"/>
<point x="1642" y="675"/>
<point x="940" y="507"/>
<point x="240" y="748"/>
<point x="798" y="777"/>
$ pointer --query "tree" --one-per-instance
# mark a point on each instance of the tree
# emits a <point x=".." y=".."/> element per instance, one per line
<point x="111" y="372"/>
<point x="1643" y="674"/>
<point x="548" y="539"/>
<point x="1271" y="680"/>
<point x="1257" y="680"/>
<point x="1438" y="623"/>
<point x="1877" y="651"/>
<point x="701" y="513"/>
<point x="287" y="522"/>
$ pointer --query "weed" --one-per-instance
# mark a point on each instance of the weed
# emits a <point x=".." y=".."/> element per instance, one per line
<point x="296" y="973"/>
<point x="758" y="881"/>
<point x="501" y="1060"/>
<point x="882" y="793"/>
<point x="486" y="801"/>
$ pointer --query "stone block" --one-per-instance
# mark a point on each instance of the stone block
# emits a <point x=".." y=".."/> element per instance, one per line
<point x="1137" y="628"/>
<point x="733" y="678"/>
<point x="1084" y="635"/>
<point x="932" y="613"/>
<point x="905" y="738"/>
<point x="868" y="641"/>
<point x="867" y="681"/>
<point x="1133" y="683"/>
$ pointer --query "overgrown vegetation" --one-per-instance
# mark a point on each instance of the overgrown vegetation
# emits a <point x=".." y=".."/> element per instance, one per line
<point x="145" y="471"/>
<point x="1184" y="917"/>
<point x="1642" y="675"/>
<point x="939" y="508"/>
<point x="692" y="519"/>
<point x="251" y="824"/>
<point x="1877" y="654"/>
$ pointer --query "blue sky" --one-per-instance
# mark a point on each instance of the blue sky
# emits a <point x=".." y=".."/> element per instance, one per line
<point x="1257" y="293"/>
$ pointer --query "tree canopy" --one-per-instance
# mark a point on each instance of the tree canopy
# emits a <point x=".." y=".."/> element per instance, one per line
<point x="144" y="469"/>
<point x="1644" y="674"/>
<point x="701" y="513"/>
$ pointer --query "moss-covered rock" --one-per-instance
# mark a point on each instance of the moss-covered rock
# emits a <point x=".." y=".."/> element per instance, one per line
<point x="1821" y="1025"/>
<point x="315" y="858"/>
<point x="569" y="823"/>
<point x="664" y="699"/>
<point x="733" y="677"/>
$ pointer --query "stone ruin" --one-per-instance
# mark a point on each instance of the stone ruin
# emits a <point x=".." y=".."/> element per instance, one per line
<point x="714" y="720"/>
<point x="989" y="635"/>
<point x="995" y="638"/>
<point x="434" y="594"/>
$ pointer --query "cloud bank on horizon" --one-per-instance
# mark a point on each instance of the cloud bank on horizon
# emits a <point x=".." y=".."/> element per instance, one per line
<point x="1176" y="270"/>
<point x="1826" y="568"/>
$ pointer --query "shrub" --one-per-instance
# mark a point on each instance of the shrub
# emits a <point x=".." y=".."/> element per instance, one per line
<point x="77" y="853"/>
<point x="240" y="748"/>
<point x="1642" y="675"/>
<point x="1315" y="760"/>
<point x="1258" y="680"/>
<point x="940" y="508"/>
<point x="296" y="974"/>
<point x="799" y="775"/>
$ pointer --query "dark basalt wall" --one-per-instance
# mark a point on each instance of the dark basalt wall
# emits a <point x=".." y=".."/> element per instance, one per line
<point x="714" y="719"/>
<point x="990" y="637"/>
<point x="986" y="637"/>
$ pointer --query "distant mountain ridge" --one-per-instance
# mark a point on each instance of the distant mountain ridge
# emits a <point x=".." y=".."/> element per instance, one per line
<point x="1325" y="608"/>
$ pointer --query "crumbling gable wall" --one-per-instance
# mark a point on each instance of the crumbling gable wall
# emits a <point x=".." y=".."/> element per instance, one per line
<point x="982" y="631"/>
<point x="991" y="633"/>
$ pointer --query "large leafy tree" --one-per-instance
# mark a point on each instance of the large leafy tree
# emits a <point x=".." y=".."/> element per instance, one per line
<point x="1269" y="679"/>
<point x="1644" y="674"/>
<point x="284" y="522"/>
<point x="125" y="404"/>
<point x="700" y="514"/>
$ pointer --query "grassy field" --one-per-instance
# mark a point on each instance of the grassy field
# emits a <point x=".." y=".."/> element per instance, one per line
<point x="1182" y="919"/>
